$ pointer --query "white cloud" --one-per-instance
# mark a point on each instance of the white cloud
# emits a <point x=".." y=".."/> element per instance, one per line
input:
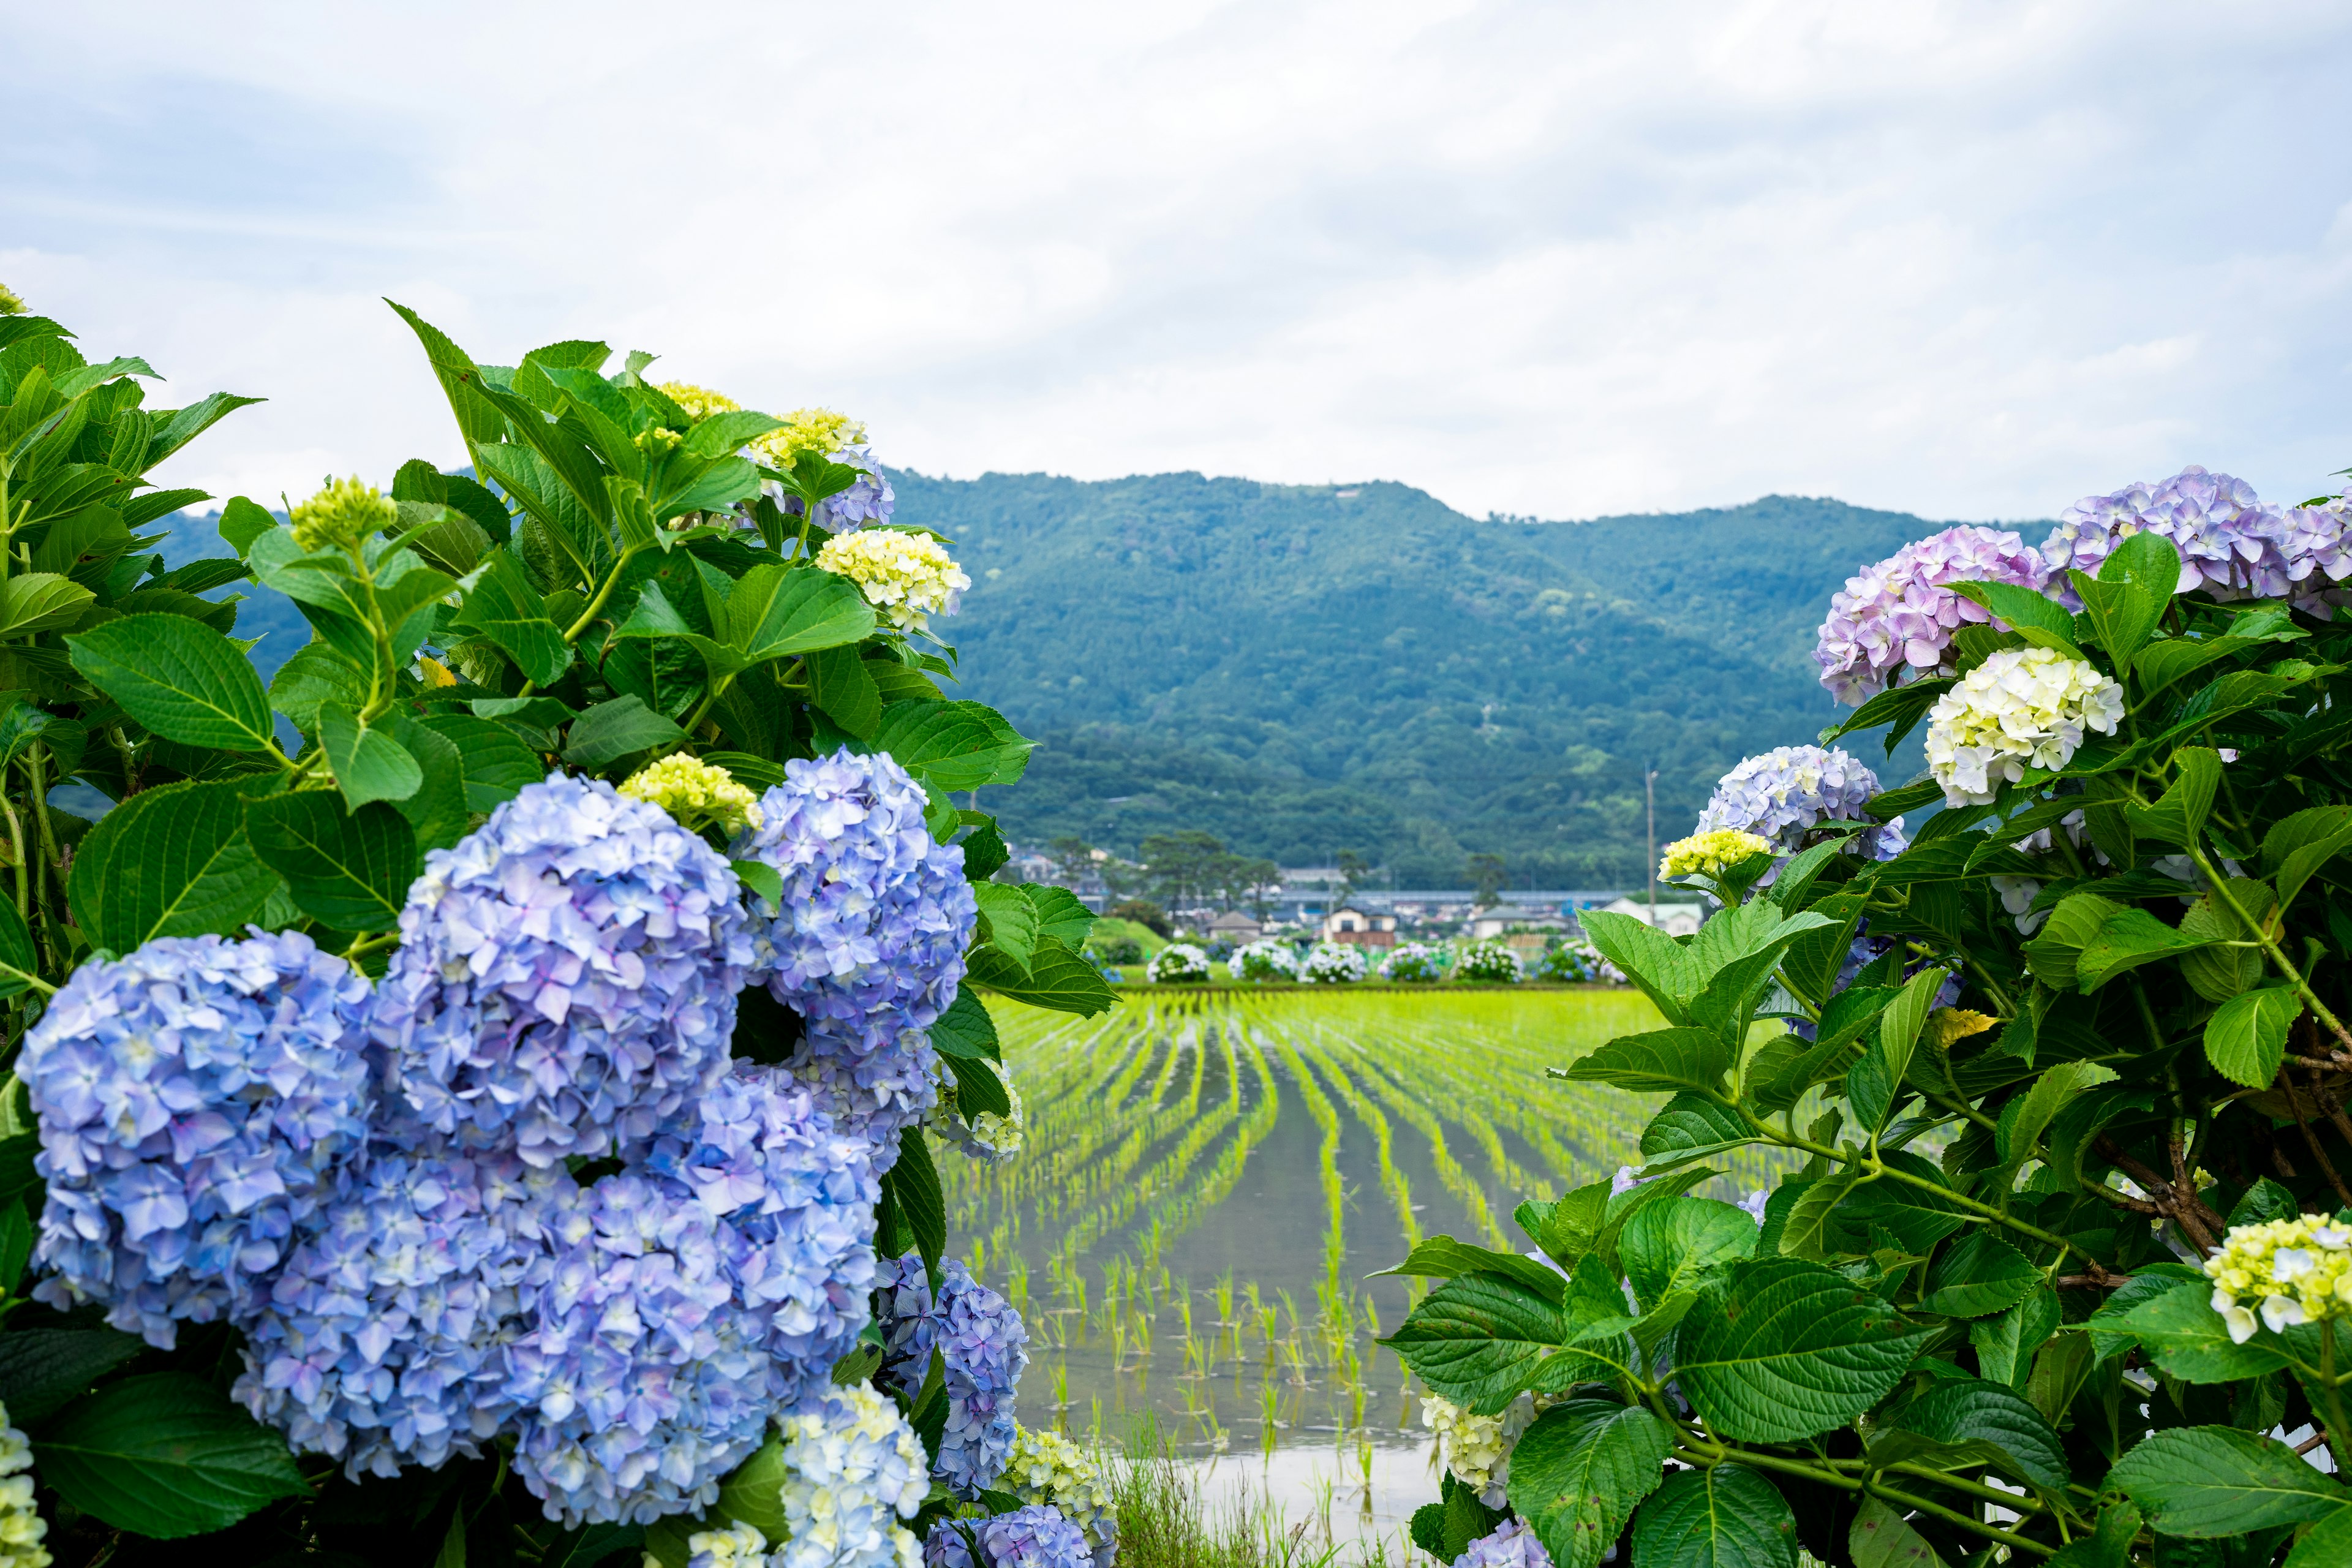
<point x="1967" y="259"/>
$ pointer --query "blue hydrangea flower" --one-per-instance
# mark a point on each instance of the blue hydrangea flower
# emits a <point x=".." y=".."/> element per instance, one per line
<point x="983" y="1348"/>
<point x="1036" y="1536"/>
<point x="870" y="499"/>
<point x="1898" y="615"/>
<point x="691" y="1301"/>
<point x="1511" y="1544"/>
<point x="1864" y="950"/>
<point x="868" y="943"/>
<point x="2230" y="544"/>
<point x="855" y="1469"/>
<point x="1790" y="790"/>
<point x="383" y="1341"/>
<point x="566" y="978"/>
<point x="193" y="1098"/>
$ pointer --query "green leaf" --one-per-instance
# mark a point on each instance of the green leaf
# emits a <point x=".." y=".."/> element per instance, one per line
<point x="1977" y="1276"/>
<point x="369" y="763"/>
<point x="44" y="1370"/>
<point x="1682" y="1243"/>
<point x="844" y="691"/>
<point x="497" y="765"/>
<point x="2206" y="1482"/>
<point x="1875" y="1084"/>
<point x="2124" y="941"/>
<point x="965" y="1029"/>
<point x="1879" y="1538"/>
<point x="351" y="872"/>
<point x="2110" y="1544"/>
<point x="620" y="727"/>
<point x="1480" y="1339"/>
<point x="776" y="610"/>
<point x="2245" y="1039"/>
<point x="2043" y="622"/>
<point x="18" y="960"/>
<point x="2182" y="1333"/>
<point x="761" y="880"/>
<point x="316" y="677"/>
<point x="1443" y="1257"/>
<point x="1059" y="913"/>
<point x="1727" y="1517"/>
<point x="171" y="861"/>
<point x="953" y="745"/>
<point x="1662" y="1061"/>
<point x="2180" y="815"/>
<point x="1012" y="922"/>
<point x="179" y="679"/>
<point x="1811" y="1228"/>
<point x="2072" y="923"/>
<point x="1691" y="1127"/>
<point x="2007" y="1342"/>
<point x="1791" y="1349"/>
<point x="1657" y="963"/>
<point x="1900" y="706"/>
<point x="242" y="523"/>
<point x="1972" y="1410"/>
<point x="2327" y="1545"/>
<point x="502" y="607"/>
<point x="39" y="602"/>
<point x="915" y="1185"/>
<point x="2024" y="1119"/>
<point x="1056" y="978"/>
<point x="164" y="1456"/>
<point x="1580" y="1471"/>
<point x="437" y="809"/>
<point x="753" y="1493"/>
<point x="978" y="1089"/>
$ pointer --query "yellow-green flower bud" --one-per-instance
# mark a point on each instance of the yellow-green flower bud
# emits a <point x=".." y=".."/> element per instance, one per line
<point x="11" y="302"/>
<point x="697" y="793"/>
<point x="1711" y="854"/>
<point x="699" y="401"/>
<point x="342" y="514"/>
<point x="2295" y="1270"/>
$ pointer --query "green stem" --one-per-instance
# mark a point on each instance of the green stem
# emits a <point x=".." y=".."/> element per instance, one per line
<point x="2286" y="965"/>
<point x="596" y="606"/>
<point x="1725" y="1454"/>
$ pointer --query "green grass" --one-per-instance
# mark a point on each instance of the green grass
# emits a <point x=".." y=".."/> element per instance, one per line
<point x="1164" y="1521"/>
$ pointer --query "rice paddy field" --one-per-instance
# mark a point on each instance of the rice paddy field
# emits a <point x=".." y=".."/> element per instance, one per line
<point x="1209" y="1178"/>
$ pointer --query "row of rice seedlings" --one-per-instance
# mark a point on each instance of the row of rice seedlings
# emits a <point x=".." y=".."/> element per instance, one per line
<point x="1449" y="1174"/>
<point x="1327" y="1118"/>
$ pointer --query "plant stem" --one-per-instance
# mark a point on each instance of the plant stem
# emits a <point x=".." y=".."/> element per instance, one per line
<point x="2286" y="965"/>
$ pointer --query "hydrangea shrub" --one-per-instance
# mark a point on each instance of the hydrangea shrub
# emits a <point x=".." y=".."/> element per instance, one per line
<point x="1261" y="961"/>
<point x="473" y="1093"/>
<point x="1333" y="963"/>
<point x="2062" y="1268"/>
<point x="1178" y="963"/>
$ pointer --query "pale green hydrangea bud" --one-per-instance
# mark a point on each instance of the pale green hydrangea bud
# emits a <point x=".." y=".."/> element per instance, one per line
<point x="341" y="514"/>
<point x="906" y="576"/>
<point x="1711" y="854"/>
<point x="22" y="1528"/>
<point x="2292" y="1270"/>
<point x="11" y="302"/>
<point x="697" y="793"/>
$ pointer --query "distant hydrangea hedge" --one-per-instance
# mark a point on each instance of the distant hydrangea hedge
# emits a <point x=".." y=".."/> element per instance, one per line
<point x="2058" y="1261"/>
<point x="1178" y="963"/>
<point x="522" y="1076"/>
<point x="1261" y="961"/>
<point x="1414" y="963"/>
<point x="1333" y="963"/>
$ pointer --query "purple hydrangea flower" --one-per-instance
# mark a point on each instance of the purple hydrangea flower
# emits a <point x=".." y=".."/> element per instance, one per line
<point x="193" y="1098"/>
<point x="870" y="501"/>
<point x="982" y="1350"/>
<point x="1786" y="792"/>
<point x="869" y="945"/>
<point x="2230" y="544"/>
<point x="1036" y="1536"/>
<point x="1511" y="1544"/>
<point x="2317" y="545"/>
<point x="690" y="1302"/>
<point x="383" y="1341"/>
<point x="1898" y="615"/>
<point x="566" y="978"/>
<point x="855" y="1471"/>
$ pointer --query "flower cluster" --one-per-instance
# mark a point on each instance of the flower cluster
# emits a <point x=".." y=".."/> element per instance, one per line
<point x="1487" y="963"/>
<point x="737" y="1546"/>
<point x="1788" y="791"/>
<point x="1047" y="1468"/>
<point x="1511" y="1544"/>
<point x="565" y="982"/>
<point x="907" y="576"/>
<point x="982" y="1350"/>
<point x="1710" y="853"/>
<point x="341" y="514"/>
<point x="698" y="793"/>
<point x="855" y="1469"/>
<point x="1571" y="963"/>
<point x="984" y="1135"/>
<point x="1263" y="959"/>
<point x="1477" y="1449"/>
<point x="869" y="945"/>
<point x="22" y="1528"/>
<point x="1899" y="616"/>
<point x="2021" y="706"/>
<point x="194" y="1099"/>
<point x="1332" y="963"/>
<point x="1035" y="1536"/>
<point x="2296" y="1270"/>
<point x="1178" y="963"/>
<point x="838" y="438"/>
<point x="698" y="402"/>
<point x="1413" y="962"/>
<point x="2230" y="544"/>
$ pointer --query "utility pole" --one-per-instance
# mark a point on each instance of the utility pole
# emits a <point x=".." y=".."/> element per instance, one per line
<point x="1650" y="792"/>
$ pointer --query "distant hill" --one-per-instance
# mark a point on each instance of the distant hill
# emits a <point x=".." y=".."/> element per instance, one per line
<point x="1304" y="669"/>
<point x="1307" y="669"/>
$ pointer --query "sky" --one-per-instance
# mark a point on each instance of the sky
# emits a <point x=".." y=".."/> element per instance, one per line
<point x="1970" y="261"/>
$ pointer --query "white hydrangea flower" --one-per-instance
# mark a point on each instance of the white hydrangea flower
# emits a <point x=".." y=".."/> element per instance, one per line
<point x="22" y="1528"/>
<point x="2021" y="706"/>
<point x="1047" y="1468"/>
<point x="906" y="576"/>
<point x="1178" y="963"/>
<point x="857" y="1468"/>
<point x="987" y="1135"/>
<point x="739" y="1546"/>
<point x="2291" y="1271"/>
<point x="1477" y="1449"/>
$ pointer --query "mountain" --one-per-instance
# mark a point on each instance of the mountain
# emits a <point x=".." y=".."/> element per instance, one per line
<point x="1306" y="669"/>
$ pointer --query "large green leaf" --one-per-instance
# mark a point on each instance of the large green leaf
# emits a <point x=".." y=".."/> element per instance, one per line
<point x="1691" y="1127"/>
<point x="172" y="861"/>
<point x="1727" y="1517"/>
<point x="777" y="610"/>
<point x="2206" y="1482"/>
<point x="2180" y="815"/>
<point x="2042" y="621"/>
<point x="369" y="763"/>
<point x="503" y="607"/>
<point x="316" y="677"/>
<point x="1662" y="1061"/>
<point x="39" y="602"/>
<point x="1480" y="1339"/>
<point x="1875" y="1084"/>
<point x="1056" y="977"/>
<point x="1578" y="1473"/>
<point x="1791" y="1349"/>
<point x="43" y="1370"/>
<point x="1655" y="962"/>
<point x="437" y="809"/>
<point x="1012" y="922"/>
<point x="841" y="687"/>
<point x="1681" y="1243"/>
<point x="348" y="871"/>
<point x="1979" y="1275"/>
<point x="497" y="765"/>
<point x="1443" y="1257"/>
<point x="965" y="1029"/>
<point x="620" y="727"/>
<point x="179" y="679"/>
<point x="2176" y="1326"/>
<point x="2245" y="1039"/>
<point x="164" y="1456"/>
<point x="953" y="745"/>
<point x="1879" y="1538"/>
<point x="1972" y="1411"/>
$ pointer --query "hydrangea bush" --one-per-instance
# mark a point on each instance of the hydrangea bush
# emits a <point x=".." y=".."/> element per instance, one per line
<point x="2063" y="1263"/>
<point x="1414" y="963"/>
<point x="1264" y="959"/>
<point x="1486" y="963"/>
<point x="1333" y="963"/>
<point x="1178" y="963"/>
<point x="475" y="1097"/>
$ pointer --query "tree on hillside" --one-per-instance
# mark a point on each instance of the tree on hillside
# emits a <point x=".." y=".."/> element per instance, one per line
<point x="1074" y="857"/>
<point x="1487" y="876"/>
<point x="1353" y="868"/>
<point x="1185" y="866"/>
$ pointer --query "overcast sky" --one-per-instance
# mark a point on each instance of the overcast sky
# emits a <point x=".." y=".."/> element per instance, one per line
<point x="1969" y="261"/>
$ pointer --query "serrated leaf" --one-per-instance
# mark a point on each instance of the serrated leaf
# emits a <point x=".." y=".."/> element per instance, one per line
<point x="172" y="861"/>
<point x="914" y="1187"/>
<point x="761" y="880"/>
<point x="965" y="1029"/>
<point x="1056" y="978"/>
<point x="2040" y="620"/>
<point x="502" y="607"/>
<point x="41" y="601"/>
<point x="1790" y="1349"/>
<point x="242" y="523"/>
<point x="1443" y="1257"/>
<point x="1682" y="1243"/>
<point x="2245" y="1039"/>
<point x="44" y="1370"/>
<point x="1879" y="1538"/>
<point x="1972" y="1410"/>
<point x="1480" y="1339"/>
<point x="952" y="746"/>
<point x="316" y="677"/>
<point x="351" y="871"/>
<point x="497" y="765"/>
<point x="1727" y="1517"/>
<point x="1059" y="913"/>
<point x="1012" y="922"/>
<point x="2210" y="1482"/>
<point x="776" y="611"/>
<point x="620" y="727"/>
<point x="2178" y="817"/>
<point x="1691" y="1127"/>
<point x="369" y="763"/>
<point x="1979" y="1275"/>
<point x="437" y="809"/>
<point x="166" y="1457"/>
<point x="2176" y="1326"/>
<point x="1662" y="1061"/>
<point x="179" y="679"/>
<point x="1578" y="1472"/>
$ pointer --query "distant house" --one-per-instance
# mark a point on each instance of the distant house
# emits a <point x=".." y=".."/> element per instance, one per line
<point x="1496" y="921"/>
<point x="1234" y="927"/>
<point x="1354" y="927"/>
<point x="1674" y="919"/>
